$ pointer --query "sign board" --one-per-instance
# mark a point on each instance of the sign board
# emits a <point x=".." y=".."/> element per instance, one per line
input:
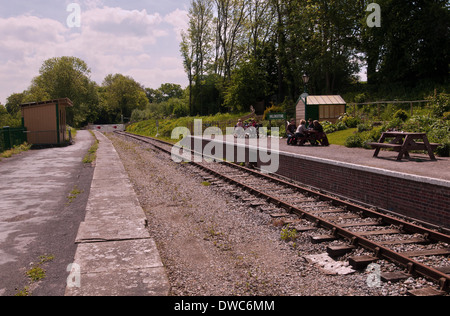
<point x="109" y="128"/>
<point x="276" y="116"/>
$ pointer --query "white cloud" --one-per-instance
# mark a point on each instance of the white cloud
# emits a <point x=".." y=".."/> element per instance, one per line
<point x="110" y="40"/>
<point x="179" y="19"/>
<point x="123" y="22"/>
<point x="26" y="41"/>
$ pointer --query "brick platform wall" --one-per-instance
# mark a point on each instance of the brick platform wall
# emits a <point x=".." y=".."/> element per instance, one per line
<point x="416" y="197"/>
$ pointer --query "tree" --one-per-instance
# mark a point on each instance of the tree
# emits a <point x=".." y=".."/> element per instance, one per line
<point x="247" y="86"/>
<point x="412" y="44"/>
<point x="66" y="77"/>
<point x="165" y="92"/>
<point x="9" y="119"/>
<point x="121" y="95"/>
<point x="327" y="39"/>
<point x="320" y="38"/>
<point x="187" y="51"/>
<point x="231" y="16"/>
<point x="171" y="90"/>
<point x="196" y="46"/>
<point x="259" y="26"/>
<point x="13" y="102"/>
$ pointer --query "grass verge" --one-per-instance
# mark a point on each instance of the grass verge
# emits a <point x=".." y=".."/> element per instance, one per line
<point x="16" y="150"/>
<point x="339" y="137"/>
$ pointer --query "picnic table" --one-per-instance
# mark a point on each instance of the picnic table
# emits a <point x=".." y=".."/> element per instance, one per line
<point x="313" y="136"/>
<point x="404" y="142"/>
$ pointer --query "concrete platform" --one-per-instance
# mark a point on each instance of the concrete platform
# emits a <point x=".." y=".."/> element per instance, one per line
<point x="418" y="165"/>
<point x="115" y="254"/>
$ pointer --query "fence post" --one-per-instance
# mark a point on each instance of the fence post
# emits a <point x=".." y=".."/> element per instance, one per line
<point x="7" y="137"/>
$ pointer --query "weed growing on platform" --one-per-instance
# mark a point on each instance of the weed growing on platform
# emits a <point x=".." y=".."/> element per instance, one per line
<point x="92" y="152"/>
<point x="35" y="274"/>
<point x="73" y="195"/>
<point x="23" y="292"/>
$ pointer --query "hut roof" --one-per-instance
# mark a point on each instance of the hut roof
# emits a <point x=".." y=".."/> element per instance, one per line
<point x="63" y="102"/>
<point x="325" y="100"/>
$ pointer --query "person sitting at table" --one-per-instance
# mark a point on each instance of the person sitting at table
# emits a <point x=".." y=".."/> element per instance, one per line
<point x="290" y="132"/>
<point x="302" y="132"/>
<point x="239" y="129"/>
<point x="321" y="137"/>
<point x="310" y="123"/>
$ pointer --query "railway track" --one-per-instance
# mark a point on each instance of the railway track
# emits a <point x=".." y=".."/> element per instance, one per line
<point x="351" y="225"/>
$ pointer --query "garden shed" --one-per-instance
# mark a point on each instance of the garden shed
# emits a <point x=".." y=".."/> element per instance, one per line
<point x="320" y="107"/>
<point x="46" y="121"/>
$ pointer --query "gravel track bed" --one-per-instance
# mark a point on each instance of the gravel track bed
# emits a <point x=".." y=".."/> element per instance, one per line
<point x="214" y="244"/>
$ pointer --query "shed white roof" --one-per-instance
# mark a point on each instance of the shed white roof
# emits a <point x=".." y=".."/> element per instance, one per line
<point x="325" y="100"/>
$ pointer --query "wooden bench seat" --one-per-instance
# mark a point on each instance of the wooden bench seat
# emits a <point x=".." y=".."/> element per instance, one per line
<point x="434" y="146"/>
<point x="384" y="145"/>
<point x="417" y="146"/>
<point x="403" y="143"/>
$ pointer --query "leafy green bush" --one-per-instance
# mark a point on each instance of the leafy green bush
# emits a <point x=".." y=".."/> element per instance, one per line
<point x="180" y="109"/>
<point x="446" y="116"/>
<point x="396" y="124"/>
<point x="363" y="127"/>
<point x="350" y="121"/>
<point x="441" y="104"/>
<point x="340" y="126"/>
<point x="328" y="127"/>
<point x="354" y="141"/>
<point x="401" y="114"/>
<point x="444" y="150"/>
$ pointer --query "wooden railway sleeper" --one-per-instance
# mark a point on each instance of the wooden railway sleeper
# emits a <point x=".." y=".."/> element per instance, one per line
<point x="443" y="284"/>
<point x="334" y="232"/>
<point x="378" y="252"/>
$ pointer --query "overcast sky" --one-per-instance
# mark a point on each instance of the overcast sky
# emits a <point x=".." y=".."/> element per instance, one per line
<point x="138" y="38"/>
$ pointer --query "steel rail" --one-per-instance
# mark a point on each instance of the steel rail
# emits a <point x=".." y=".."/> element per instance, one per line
<point x="355" y="239"/>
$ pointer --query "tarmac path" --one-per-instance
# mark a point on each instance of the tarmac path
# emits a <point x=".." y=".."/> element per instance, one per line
<point x="37" y="219"/>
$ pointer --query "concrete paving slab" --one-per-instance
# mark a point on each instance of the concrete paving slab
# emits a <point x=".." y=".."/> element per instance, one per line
<point x="121" y="182"/>
<point x="120" y="268"/>
<point x="116" y="229"/>
<point x="116" y="255"/>
<point x="111" y="191"/>
<point x="108" y="206"/>
<point x="109" y="172"/>
<point x="143" y="282"/>
<point x="123" y="255"/>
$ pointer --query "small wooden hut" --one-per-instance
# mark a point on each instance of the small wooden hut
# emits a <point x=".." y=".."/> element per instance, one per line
<point x="321" y="108"/>
<point x="46" y="121"/>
